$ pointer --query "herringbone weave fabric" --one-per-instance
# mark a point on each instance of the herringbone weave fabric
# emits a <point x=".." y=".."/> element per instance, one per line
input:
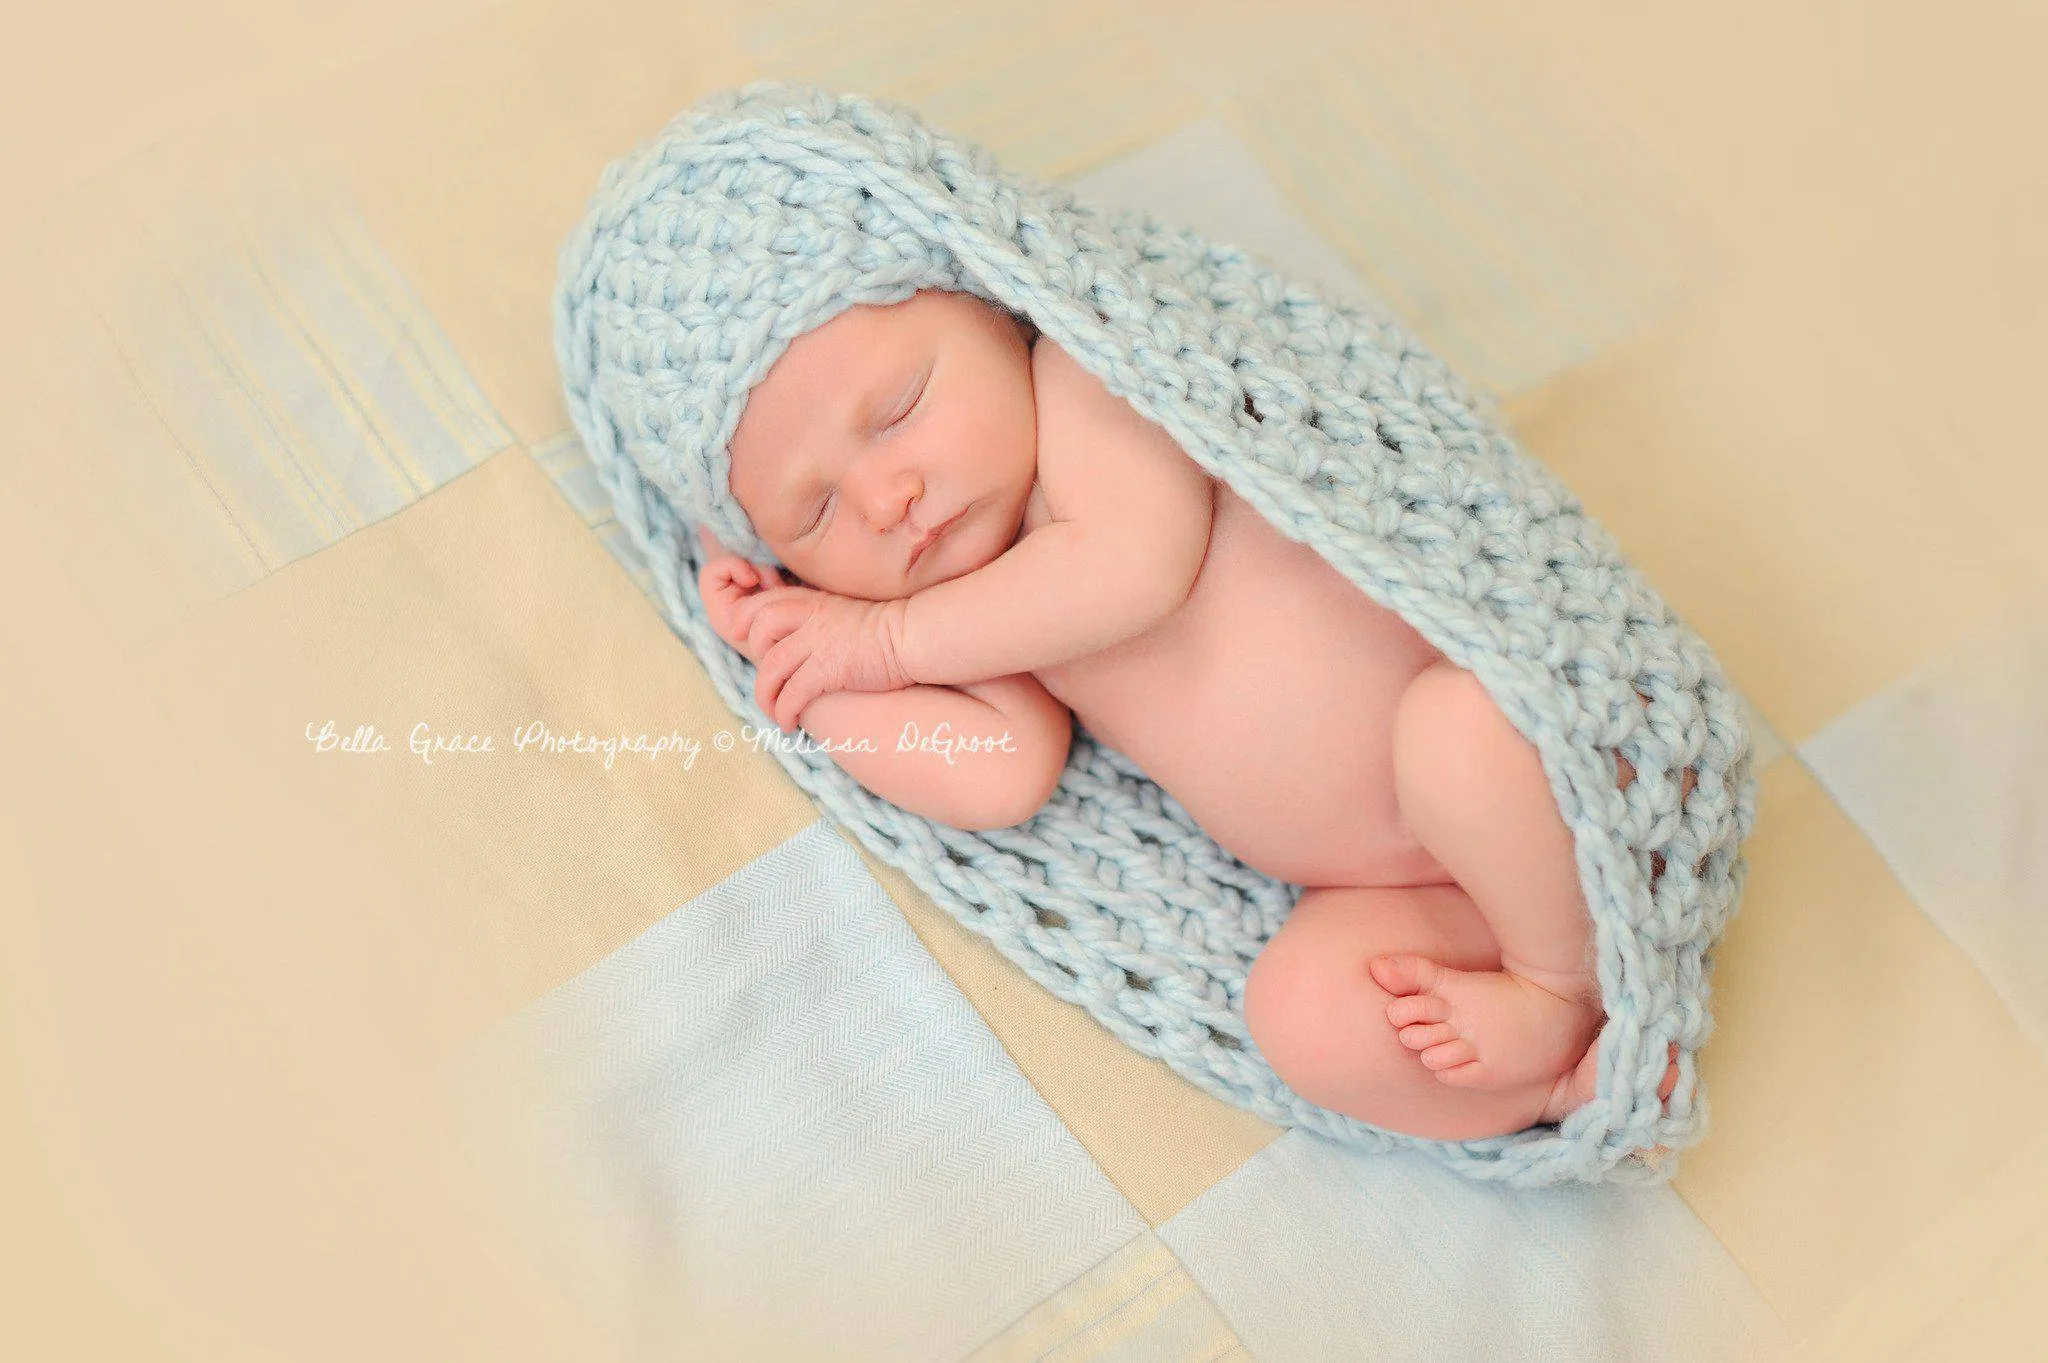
<point x="761" y="212"/>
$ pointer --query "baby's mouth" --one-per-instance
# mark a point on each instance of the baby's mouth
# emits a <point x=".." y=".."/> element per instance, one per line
<point x="932" y="538"/>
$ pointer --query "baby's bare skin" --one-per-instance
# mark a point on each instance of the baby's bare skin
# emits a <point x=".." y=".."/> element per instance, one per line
<point x="1433" y="977"/>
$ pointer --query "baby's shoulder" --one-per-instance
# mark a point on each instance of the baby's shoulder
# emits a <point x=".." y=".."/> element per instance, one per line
<point x="1095" y="450"/>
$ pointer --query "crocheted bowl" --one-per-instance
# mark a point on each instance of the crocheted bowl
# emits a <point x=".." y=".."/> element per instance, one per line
<point x="1350" y="436"/>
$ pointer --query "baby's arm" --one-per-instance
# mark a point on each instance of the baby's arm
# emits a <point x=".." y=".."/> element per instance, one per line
<point x="1008" y="741"/>
<point x="1130" y="527"/>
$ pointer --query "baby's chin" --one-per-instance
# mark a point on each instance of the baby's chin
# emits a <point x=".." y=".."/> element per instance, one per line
<point x="947" y="569"/>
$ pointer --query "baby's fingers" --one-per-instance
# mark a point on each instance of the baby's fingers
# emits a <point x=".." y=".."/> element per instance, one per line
<point x="775" y="668"/>
<point x="721" y="597"/>
<point x="773" y="624"/>
<point x="727" y="578"/>
<point x="805" y="685"/>
<point x="724" y="585"/>
<point x="764" y="600"/>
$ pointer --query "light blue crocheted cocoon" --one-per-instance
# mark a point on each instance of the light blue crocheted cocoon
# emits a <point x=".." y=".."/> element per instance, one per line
<point x="760" y="212"/>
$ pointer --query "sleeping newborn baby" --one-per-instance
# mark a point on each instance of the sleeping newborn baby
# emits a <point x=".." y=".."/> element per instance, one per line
<point x="988" y="544"/>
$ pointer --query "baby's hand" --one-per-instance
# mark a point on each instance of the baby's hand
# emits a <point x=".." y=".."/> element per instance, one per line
<point x="725" y="581"/>
<point x="813" y="643"/>
<point x="806" y="643"/>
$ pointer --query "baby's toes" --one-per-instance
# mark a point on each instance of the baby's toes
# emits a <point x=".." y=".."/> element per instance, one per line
<point x="1450" y="1055"/>
<point x="1405" y="974"/>
<point x="1423" y="1035"/>
<point x="1418" y="1008"/>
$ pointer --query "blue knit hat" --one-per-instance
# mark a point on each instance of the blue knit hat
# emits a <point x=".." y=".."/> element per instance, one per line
<point x="701" y="258"/>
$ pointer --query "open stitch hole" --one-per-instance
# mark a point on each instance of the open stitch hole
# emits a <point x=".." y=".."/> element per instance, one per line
<point x="1625" y="776"/>
<point x="1688" y="778"/>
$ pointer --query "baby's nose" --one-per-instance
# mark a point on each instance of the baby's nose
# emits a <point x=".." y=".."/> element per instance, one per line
<point x="890" y="498"/>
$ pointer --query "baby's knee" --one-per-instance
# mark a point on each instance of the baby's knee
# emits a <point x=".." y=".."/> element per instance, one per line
<point x="1320" y="1021"/>
<point x="1448" y="707"/>
<point x="1453" y="744"/>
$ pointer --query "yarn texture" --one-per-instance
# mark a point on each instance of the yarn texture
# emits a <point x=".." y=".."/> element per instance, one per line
<point x="760" y="212"/>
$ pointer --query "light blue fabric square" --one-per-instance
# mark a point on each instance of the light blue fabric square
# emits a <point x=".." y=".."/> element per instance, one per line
<point x="1941" y="771"/>
<point x="271" y="380"/>
<point x="1314" y="1251"/>
<point x="774" y="1120"/>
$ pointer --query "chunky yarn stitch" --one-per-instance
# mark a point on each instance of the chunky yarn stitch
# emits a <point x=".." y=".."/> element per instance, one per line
<point x="761" y="211"/>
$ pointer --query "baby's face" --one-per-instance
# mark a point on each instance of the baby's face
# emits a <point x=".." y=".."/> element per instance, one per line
<point x="882" y="425"/>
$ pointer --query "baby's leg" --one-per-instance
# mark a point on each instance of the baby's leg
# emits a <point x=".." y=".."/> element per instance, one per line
<point x="1320" y="1019"/>
<point x="1473" y="791"/>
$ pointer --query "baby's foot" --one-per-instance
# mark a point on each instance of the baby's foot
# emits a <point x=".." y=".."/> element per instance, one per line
<point x="1575" y="1087"/>
<point x="1487" y="1029"/>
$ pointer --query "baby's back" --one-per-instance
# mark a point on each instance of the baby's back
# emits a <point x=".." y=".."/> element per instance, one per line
<point x="1265" y="704"/>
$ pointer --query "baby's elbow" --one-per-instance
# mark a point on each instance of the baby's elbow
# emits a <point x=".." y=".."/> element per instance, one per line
<point x="992" y="814"/>
<point x="1005" y="804"/>
<point x="1021" y="806"/>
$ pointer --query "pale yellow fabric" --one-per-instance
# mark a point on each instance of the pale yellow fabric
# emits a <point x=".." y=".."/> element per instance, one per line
<point x="1824" y="464"/>
<point x="1504" y="217"/>
<point x="1865" y="1076"/>
<point x="108" y="77"/>
<point x="1050" y="88"/>
<point x="483" y="609"/>
<point x="1968" y="1286"/>
<point x="213" y="994"/>
<point x="474" y="150"/>
<point x="2000" y="1316"/>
